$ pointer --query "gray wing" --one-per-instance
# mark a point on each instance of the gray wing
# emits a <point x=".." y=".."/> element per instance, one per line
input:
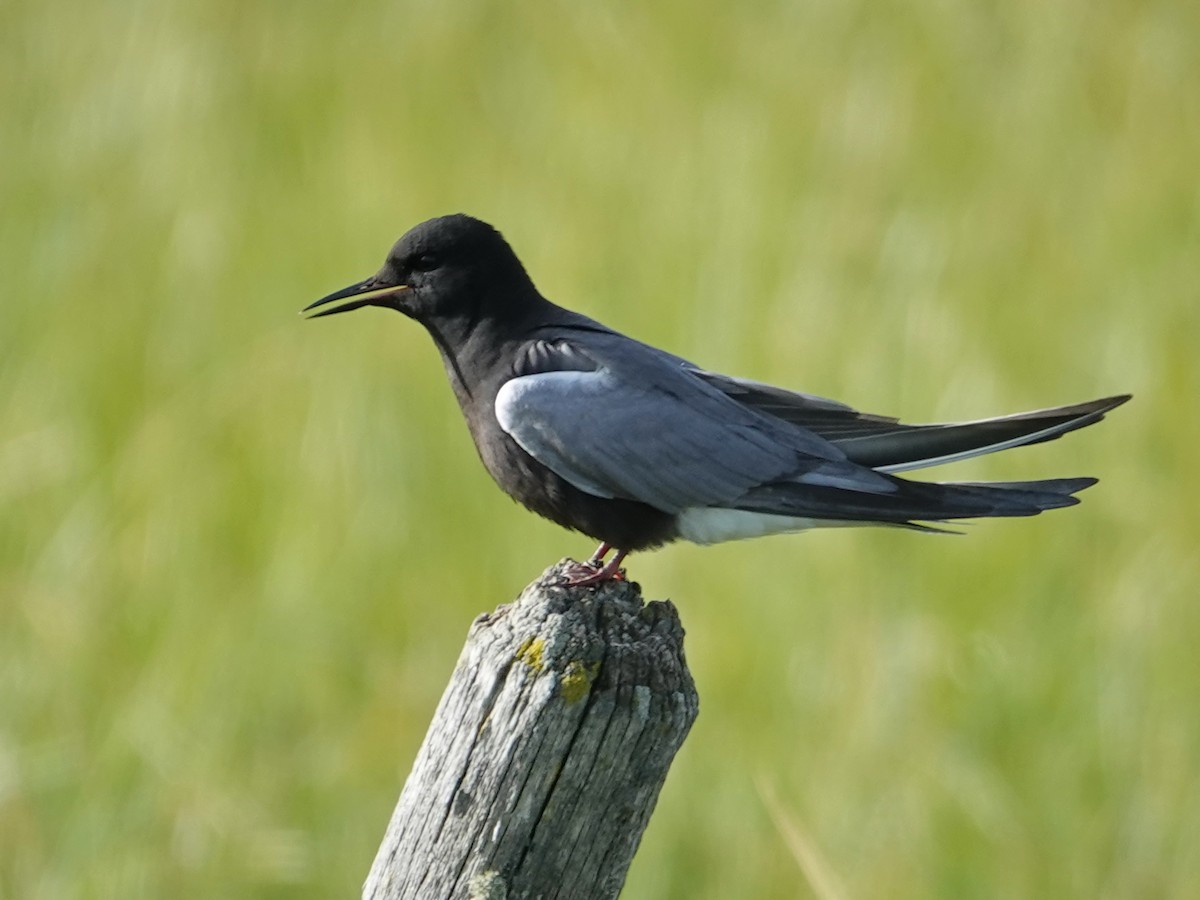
<point x="616" y="421"/>
<point x="888" y="445"/>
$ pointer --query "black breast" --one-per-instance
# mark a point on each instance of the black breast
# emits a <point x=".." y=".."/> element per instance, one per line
<point x="625" y="524"/>
<point x="486" y="360"/>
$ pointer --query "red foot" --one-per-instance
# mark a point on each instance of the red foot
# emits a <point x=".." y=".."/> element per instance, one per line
<point x="595" y="570"/>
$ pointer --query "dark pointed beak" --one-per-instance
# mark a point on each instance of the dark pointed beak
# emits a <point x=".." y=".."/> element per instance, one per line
<point x="364" y="293"/>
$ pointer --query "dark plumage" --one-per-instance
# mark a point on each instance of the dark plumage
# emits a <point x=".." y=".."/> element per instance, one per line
<point x="636" y="447"/>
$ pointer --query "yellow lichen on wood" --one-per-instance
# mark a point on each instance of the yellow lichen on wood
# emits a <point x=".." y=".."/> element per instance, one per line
<point x="532" y="653"/>
<point x="577" y="680"/>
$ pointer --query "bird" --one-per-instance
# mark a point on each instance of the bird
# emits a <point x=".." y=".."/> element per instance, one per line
<point x="636" y="447"/>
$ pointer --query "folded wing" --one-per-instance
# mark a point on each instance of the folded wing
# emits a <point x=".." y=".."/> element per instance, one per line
<point x="650" y="431"/>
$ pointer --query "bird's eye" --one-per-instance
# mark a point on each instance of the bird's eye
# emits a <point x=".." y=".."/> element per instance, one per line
<point x="424" y="262"/>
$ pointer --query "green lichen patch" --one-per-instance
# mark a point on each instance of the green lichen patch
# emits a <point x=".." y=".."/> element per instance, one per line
<point x="577" y="680"/>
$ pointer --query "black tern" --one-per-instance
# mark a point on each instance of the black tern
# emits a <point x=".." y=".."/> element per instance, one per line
<point x="636" y="447"/>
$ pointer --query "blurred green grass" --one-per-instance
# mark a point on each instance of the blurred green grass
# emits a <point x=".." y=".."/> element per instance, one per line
<point x="239" y="553"/>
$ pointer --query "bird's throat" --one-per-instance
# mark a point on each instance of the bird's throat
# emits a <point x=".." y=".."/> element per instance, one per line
<point x="449" y="350"/>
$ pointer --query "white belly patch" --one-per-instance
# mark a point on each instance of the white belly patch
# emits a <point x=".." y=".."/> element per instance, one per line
<point x="710" y="525"/>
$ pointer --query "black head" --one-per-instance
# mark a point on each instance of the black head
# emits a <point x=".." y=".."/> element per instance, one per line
<point x="449" y="267"/>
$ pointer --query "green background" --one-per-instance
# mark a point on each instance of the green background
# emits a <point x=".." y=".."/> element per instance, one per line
<point x="239" y="552"/>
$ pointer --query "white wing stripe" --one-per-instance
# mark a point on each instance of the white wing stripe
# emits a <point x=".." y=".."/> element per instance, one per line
<point x="967" y="454"/>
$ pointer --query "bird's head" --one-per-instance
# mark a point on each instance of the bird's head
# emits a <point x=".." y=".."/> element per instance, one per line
<point x="449" y="267"/>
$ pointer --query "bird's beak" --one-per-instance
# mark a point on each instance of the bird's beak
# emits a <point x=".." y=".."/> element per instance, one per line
<point x="364" y="293"/>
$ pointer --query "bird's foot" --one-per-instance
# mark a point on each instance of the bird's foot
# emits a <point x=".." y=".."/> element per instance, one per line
<point x="584" y="575"/>
<point x="594" y="571"/>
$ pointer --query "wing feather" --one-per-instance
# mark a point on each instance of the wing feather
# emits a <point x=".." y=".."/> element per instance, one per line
<point x="640" y="427"/>
<point x="614" y="440"/>
<point x="888" y="445"/>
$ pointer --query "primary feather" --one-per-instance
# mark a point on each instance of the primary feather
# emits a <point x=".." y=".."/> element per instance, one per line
<point x="888" y="445"/>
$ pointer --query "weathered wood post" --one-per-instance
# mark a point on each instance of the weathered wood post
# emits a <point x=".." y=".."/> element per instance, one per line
<point x="547" y="752"/>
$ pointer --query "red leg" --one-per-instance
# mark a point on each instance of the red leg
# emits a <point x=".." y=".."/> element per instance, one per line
<point x="597" y="559"/>
<point x="612" y="570"/>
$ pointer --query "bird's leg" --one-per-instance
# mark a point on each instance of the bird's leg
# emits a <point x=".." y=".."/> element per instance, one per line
<point x="612" y="570"/>
<point x="595" y="570"/>
<point x="597" y="559"/>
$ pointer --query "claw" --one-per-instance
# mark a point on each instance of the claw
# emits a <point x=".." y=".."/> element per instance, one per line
<point x="595" y="570"/>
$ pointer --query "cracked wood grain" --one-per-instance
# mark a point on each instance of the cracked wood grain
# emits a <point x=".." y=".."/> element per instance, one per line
<point x="547" y="751"/>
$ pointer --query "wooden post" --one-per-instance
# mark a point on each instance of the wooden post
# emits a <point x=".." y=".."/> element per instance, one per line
<point x="547" y="752"/>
